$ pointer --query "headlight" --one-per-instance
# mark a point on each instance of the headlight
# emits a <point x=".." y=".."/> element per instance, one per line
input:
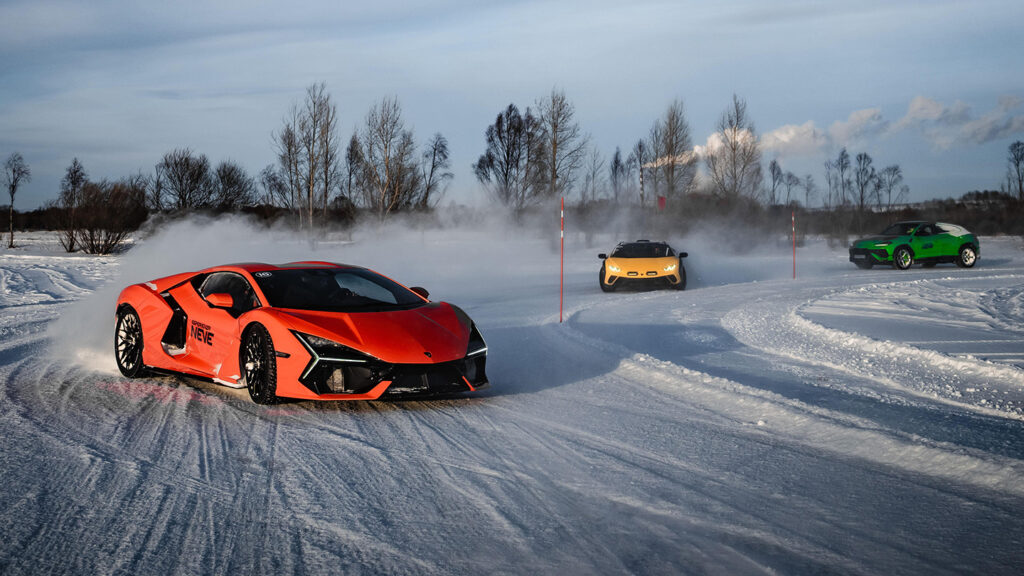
<point x="324" y="349"/>
<point x="882" y="244"/>
<point x="670" y="267"/>
<point x="614" y="268"/>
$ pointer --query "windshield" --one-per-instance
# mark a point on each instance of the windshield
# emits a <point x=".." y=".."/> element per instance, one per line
<point x="900" y="229"/>
<point x="642" y="250"/>
<point x="334" y="290"/>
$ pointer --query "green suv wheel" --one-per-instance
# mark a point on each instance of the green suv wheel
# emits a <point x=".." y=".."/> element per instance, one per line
<point x="967" y="257"/>
<point x="902" y="258"/>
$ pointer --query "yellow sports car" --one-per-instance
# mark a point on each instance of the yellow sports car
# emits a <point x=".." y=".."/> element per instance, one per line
<point x="642" y="263"/>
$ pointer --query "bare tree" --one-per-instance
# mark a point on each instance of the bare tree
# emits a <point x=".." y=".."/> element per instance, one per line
<point x="110" y="211"/>
<point x="388" y="170"/>
<point x="564" y="144"/>
<point x="156" y="192"/>
<point x="890" y="180"/>
<point x="328" y="147"/>
<point x="830" y="182"/>
<point x="593" y="183"/>
<point x="353" y="165"/>
<point x="618" y="174"/>
<point x="436" y="170"/>
<point x="233" y="187"/>
<point x="837" y="178"/>
<point x="640" y="157"/>
<point x="308" y="153"/>
<point x="186" y="179"/>
<point x="71" y="185"/>
<point x="791" y="181"/>
<point x="1016" y="170"/>
<point x="777" y="177"/>
<point x="16" y="172"/>
<point x="510" y="169"/>
<point x="290" y="159"/>
<point x="735" y="164"/>
<point x="674" y="161"/>
<point x="275" y="189"/>
<point x="810" y="189"/>
<point x="865" y="178"/>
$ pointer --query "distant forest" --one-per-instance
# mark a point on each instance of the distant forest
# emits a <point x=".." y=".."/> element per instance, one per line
<point x="532" y="156"/>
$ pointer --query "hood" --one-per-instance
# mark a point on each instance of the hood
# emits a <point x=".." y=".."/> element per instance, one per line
<point x="398" y="336"/>
<point x="875" y="239"/>
<point x="641" y="263"/>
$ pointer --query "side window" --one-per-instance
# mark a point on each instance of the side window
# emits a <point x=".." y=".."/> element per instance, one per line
<point x="926" y="230"/>
<point x="230" y="283"/>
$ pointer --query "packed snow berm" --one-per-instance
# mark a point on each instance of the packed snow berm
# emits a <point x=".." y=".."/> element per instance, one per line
<point x="846" y="422"/>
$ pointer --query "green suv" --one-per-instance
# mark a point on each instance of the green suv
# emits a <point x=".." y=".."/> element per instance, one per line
<point x="929" y="243"/>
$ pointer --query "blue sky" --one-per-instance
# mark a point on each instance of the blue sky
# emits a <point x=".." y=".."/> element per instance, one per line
<point x="934" y="86"/>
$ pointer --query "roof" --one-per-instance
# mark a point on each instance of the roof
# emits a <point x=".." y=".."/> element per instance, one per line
<point x="251" y="267"/>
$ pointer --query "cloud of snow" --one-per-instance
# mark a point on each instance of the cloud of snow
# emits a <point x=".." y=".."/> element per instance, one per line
<point x="452" y="259"/>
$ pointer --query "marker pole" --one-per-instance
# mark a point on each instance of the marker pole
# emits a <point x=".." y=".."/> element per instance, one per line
<point x="561" y="263"/>
<point x="794" y="244"/>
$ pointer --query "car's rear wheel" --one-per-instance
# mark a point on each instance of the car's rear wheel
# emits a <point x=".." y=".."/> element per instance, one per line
<point x="967" y="257"/>
<point x="601" y="277"/>
<point x="128" y="343"/>
<point x="259" y="364"/>
<point x="902" y="258"/>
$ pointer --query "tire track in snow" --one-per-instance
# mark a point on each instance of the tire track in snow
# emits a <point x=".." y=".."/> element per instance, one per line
<point x="774" y="326"/>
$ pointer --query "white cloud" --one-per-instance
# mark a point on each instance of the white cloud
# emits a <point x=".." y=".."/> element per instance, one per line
<point x="795" y="140"/>
<point x="947" y="126"/>
<point x="860" y="125"/>
<point x="942" y="126"/>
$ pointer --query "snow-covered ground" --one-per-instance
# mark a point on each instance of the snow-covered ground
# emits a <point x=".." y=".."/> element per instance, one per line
<point x="847" y="422"/>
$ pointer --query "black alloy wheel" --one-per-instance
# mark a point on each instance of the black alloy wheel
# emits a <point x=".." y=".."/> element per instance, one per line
<point x="258" y="362"/>
<point x="601" y="277"/>
<point x="128" y="344"/>
<point x="682" y="277"/>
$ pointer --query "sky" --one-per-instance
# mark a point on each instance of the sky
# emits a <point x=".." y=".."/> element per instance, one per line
<point x="934" y="86"/>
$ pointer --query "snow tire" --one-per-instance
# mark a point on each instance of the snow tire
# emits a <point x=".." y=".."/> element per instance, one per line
<point x="257" y="361"/>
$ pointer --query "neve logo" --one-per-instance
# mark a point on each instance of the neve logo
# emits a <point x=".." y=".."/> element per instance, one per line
<point x="201" y="332"/>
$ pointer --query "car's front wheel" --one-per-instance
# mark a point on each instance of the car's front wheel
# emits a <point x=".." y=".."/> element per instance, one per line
<point x="128" y="343"/>
<point x="966" y="257"/>
<point x="259" y="364"/>
<point x="601" y="278"/>
<point x="682" y="277"/>
<point x="902" y="258"/>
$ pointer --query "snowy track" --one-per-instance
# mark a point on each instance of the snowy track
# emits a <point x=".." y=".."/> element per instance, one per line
<point x="735" y="428"/>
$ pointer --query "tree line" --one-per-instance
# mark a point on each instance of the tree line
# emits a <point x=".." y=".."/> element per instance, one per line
<point x="531" y="155"/>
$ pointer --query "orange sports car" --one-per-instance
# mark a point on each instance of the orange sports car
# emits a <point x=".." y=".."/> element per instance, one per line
<point x="642" y="263"/>
<point x="307" y="330"/>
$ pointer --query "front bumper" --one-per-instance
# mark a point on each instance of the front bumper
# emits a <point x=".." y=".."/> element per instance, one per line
<point x="870" y="255"/>
<point x="642" y="278"/>
<point x="338" y="380"/>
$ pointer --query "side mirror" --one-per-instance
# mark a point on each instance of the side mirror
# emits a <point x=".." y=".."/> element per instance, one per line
<point x="683" y="254"/>
<point x="221" y="300"/>
<point x="602" y="256"/>
<point x="421" y="291"/>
